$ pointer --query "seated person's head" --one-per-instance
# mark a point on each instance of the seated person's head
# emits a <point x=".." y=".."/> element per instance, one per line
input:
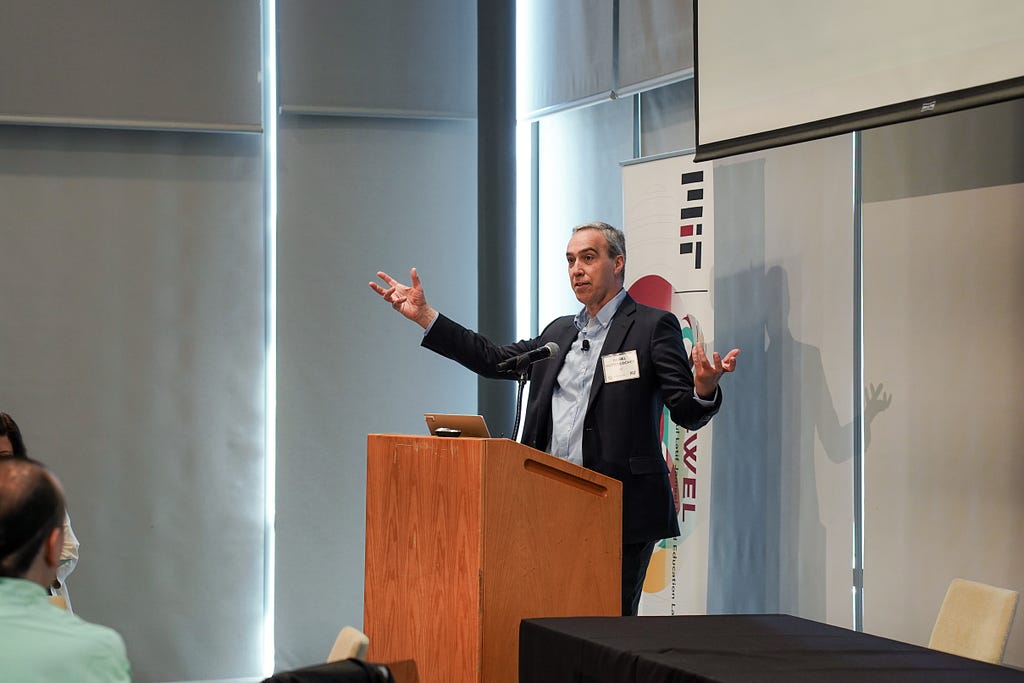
<point x="11" y="442"/>
<point x="31" y="521"/>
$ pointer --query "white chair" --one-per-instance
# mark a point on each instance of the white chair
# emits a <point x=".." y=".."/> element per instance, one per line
<point x="974" y="621"/>
<point x="351" y="643"/>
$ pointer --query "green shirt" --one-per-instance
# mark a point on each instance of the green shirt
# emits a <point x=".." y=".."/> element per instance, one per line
<point x="40" y="642"/>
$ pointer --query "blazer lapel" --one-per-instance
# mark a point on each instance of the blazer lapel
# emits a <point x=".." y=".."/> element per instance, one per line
<point x="546" y="387"/>
<point x="564" y="339"/>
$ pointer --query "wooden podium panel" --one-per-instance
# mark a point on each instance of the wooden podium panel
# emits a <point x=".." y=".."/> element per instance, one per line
<point x="466" y="537"/>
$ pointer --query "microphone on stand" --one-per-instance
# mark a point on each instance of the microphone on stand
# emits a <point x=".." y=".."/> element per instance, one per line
<point x="518" y="364"/>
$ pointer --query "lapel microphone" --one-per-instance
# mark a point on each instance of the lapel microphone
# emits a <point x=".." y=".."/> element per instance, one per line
<point x="586" y="345"/>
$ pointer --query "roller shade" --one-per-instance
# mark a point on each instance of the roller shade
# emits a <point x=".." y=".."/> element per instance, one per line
<point x="567" y="54"/>
<point x="655" y="43"/>
<point x="183" y="65"/>
<point x="342" y="58"/>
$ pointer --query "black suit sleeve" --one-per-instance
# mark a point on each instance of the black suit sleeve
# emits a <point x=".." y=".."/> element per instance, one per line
<point x="472" y="350"/>
<point x="675" y="377"/>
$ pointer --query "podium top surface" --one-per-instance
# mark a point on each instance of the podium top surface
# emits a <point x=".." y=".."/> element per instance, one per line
<point x="502" y="448"/>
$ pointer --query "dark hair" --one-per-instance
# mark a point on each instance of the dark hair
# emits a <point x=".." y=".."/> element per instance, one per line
<point x="9" y="428"/>
<point x="31" y="507"/>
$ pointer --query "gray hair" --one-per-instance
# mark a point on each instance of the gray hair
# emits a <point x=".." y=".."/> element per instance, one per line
<point x="613" y="236"/>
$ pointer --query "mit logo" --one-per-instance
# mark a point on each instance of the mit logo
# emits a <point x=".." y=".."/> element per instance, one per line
<point x="691" y="230"/>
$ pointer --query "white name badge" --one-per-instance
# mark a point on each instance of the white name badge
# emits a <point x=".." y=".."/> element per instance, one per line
<point x="621" y="366"/>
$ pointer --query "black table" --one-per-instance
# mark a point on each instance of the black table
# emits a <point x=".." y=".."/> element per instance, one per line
<point x="727" y="648"/>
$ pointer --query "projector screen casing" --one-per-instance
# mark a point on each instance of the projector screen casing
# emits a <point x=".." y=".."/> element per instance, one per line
<point x="772" y="74"/>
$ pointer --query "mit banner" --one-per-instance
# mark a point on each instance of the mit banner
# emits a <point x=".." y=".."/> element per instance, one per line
<point x="668" y="218"/>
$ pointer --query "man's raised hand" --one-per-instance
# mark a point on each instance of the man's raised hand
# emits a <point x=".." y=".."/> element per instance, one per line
<point x="707" y="371"/>
<point x="407" y="300"/>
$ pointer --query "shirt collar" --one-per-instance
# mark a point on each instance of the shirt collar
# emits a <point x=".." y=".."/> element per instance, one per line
<point x="605" y="315"/>
<point x="21" y="590"/>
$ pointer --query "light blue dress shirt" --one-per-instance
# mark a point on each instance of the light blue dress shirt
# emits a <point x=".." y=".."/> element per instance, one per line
<point x="572" y="390"/>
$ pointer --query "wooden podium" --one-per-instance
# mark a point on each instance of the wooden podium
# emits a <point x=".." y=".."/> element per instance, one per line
<point x="466" y="537"/>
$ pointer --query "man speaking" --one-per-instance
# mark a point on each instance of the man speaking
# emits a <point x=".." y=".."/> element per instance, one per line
<point x="597" y="401"/>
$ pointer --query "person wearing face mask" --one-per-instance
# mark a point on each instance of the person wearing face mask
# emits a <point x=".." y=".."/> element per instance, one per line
<point x="41" y="643"/>
<point x="12" y="444"/>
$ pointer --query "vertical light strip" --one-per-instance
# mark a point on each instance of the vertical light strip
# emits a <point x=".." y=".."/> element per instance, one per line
<point x="526" y="184"/>
<point x="858" y="392"/>
<point x="534" y="293"/>
<point x="270" y="231"/>
<point x="638" y="139"/>
<point x="524" y="231"/>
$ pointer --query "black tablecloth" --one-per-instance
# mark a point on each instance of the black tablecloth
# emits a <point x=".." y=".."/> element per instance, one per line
<point x="727" y="648"/>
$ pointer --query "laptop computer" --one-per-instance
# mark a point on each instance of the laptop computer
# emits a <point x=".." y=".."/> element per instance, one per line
<point x="467" y="425"/>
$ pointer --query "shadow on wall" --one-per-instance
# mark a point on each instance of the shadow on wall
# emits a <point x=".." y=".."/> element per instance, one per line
<point x="768" y="543"/>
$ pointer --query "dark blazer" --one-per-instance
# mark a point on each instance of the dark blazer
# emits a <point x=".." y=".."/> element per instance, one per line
<point x="621" y="435"/>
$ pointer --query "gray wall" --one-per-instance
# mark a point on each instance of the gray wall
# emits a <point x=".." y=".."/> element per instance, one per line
<point x="943" y="325"/>
<point x="782" y="477"/>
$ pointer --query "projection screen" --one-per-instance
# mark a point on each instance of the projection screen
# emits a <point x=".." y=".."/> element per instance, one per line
<point x="774" y="73"/>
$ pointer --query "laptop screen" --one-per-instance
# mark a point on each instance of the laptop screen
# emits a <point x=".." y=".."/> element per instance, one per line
<point x="467" y="425"/>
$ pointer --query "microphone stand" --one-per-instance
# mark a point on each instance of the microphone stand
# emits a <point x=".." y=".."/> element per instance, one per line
<point x="521" y="371"/>
<point x="521" y="380"/>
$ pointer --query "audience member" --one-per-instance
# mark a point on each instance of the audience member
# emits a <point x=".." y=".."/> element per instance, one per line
<point x="39" y="642"/>
<point x="12" y="444"/>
